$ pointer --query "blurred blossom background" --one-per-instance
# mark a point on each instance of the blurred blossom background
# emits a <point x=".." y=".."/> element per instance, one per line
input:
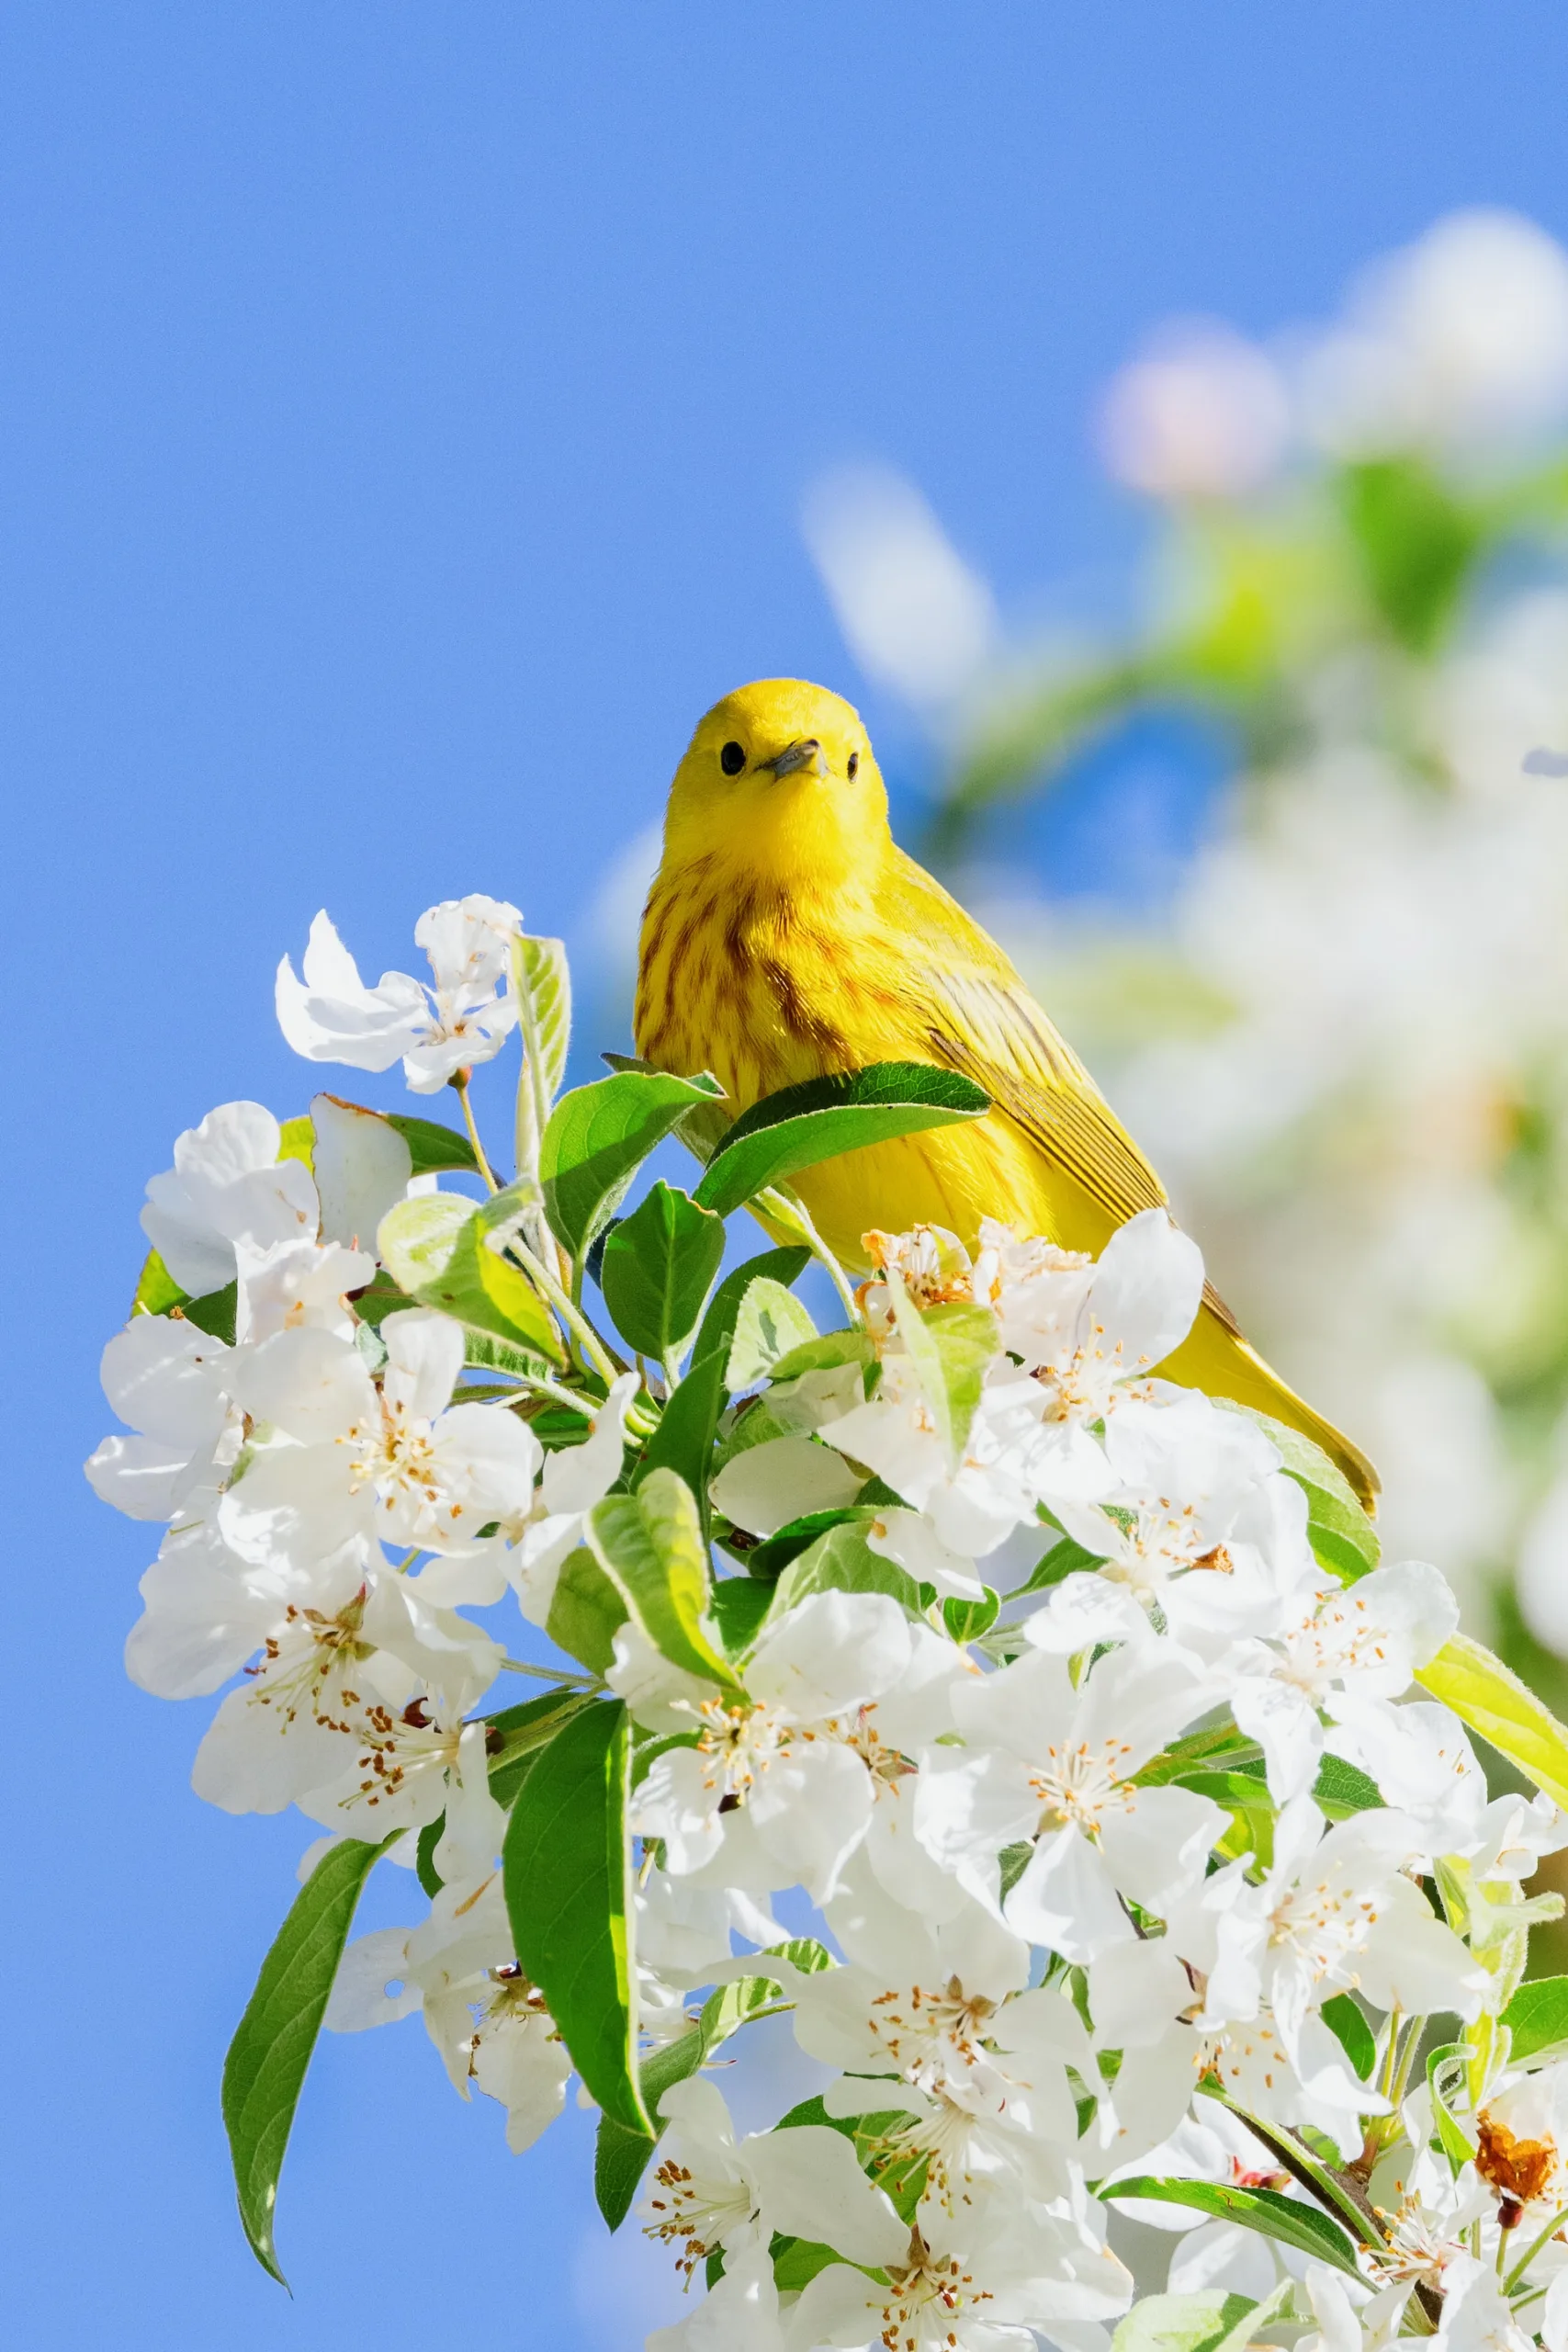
<point x="410" y="420"/>
<point x="1297" y="869"/>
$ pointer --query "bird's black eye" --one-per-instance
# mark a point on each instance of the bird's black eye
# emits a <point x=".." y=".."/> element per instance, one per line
<point x="732" y="759"/>
<point x="855" y="765"/>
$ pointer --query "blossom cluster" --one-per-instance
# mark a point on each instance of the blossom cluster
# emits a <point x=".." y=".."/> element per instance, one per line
<point x="1360" y="1114"/>
<point x="1145" y="1877"/>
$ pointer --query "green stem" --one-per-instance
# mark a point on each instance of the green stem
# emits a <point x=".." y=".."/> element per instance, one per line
<point x="1385" y="2085"/>
<point x="1334" y="2194"/>
<point x="1523" y="2263"/>
<point x="791" y="1211"/>
<point x="542" y="1384"/>
<point x="1416" y="2029"/>
<point x="607" y="1366"/>
<point x="460" y="1084"/>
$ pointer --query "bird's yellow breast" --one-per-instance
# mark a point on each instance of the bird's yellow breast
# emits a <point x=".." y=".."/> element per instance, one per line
<point x="766" y="989"/>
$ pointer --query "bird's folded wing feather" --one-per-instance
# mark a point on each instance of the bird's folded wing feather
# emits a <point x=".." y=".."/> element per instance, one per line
<point x="980" y="1019"/>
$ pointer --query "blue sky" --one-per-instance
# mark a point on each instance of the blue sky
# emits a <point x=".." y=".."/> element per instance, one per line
<point x="404" y="418"/>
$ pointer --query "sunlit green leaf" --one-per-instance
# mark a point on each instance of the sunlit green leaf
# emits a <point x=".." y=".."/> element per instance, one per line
<point x="803" y="1124"/>
<point x="1286" y="2219"/>
<point x="435" y="1248"/>
<point x="1200" y="2322"/>
<point x="770" y="1324"/>
<point x="842" y="1561"/>
<point x="541" y="986"/>
<point x="1536" y="2016"/>
<point x="650" y="1543"/>
<point x="156" y="1289"/>
<point x="586" y="1611"/>
<point x="1342" y="1537"/>
<point x="1446" y="2070"/>
<point x="598" y="1137"/>
<point x="951" y="1347"/>
<point x="1496" y="1703"/>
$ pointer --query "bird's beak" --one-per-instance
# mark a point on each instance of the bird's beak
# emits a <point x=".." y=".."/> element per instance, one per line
<point x="802" y="754"/>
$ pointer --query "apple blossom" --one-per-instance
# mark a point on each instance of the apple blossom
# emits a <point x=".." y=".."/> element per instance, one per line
<point x="1042" y="1871"/>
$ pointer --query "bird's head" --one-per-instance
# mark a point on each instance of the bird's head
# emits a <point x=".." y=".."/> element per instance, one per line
<point x="780" y="779"/>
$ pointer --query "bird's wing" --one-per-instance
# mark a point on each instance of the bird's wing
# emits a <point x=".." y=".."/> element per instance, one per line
<point x="980" y="1019"/>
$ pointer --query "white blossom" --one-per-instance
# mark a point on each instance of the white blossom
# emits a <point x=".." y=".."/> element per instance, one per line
<point x="459" y="1018"/>
<point x="227" y="1184"/>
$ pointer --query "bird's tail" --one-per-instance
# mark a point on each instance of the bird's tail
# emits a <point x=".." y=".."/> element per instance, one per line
<point x="1216" y="1358"/>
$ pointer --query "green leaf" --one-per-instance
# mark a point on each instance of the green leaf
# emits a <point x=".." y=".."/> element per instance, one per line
<point x="432" y="1148"/>
<point x="1496" y="1703"/>
<point x="772" y="1325"/>
<point x="430" y="1837"/>
<point x="1447" y="2071"/>
<point x="265" y="2070"/>
<point x="1342" y="1789"/>
<point x="621" y="2156"/>
<point x="1265" y="2209"/>
<point x="545" y="1005"/>
<point x="1415" y="541"/>
<point x="650" y="1545"/>
<point x="297" y="1140"/>
<point x="1352" y="2033"/>
<point x="215" y="1312"/>
<point x="794" y="1129"/>
<point x="541" y="985"/>
<point x="517" y="1735"/>
<point x="156" y="1289"/>
<point x="842" y="1561"/>
<point x="598" y="1137"/>
<point x="683" y="1441"/>
<point x="566" y="1869"/>
<point x="967" y="1620"/>
<point x="1064" y="1559"/>
<point x="658" y="1265"/>
<point x="586" y="1611"/>
<point x="824" y="1354"/>
<point x="485" y="1353"/>
<point x="382" y="1298"/>
<point x="739" y="1607"/>
<point x="951" y="1347"/>
<point x="1342" y="1537"/>
<point x="435" y="1248"/>
<point x="1244" y="1796"/>
<point x="768" y="1560"/>
<point x="1536" y="2016"/>
<point x="1181" y="2322"/>
<point x="797" y="2262"/>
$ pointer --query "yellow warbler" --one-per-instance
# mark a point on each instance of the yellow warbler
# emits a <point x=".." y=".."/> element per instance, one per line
<point x="787" y="936"/>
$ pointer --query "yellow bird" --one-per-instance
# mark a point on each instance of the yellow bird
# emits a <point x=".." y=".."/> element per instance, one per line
<point x="788" y="937"/>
